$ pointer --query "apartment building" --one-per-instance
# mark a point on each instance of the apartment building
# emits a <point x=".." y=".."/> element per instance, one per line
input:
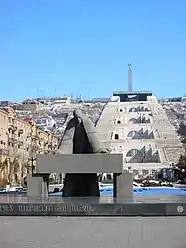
<point x="20" y="142"/>
<point x="3" y="133"/>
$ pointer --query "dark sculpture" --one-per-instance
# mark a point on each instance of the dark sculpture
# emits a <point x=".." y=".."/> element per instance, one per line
<point x="80" y="137"/>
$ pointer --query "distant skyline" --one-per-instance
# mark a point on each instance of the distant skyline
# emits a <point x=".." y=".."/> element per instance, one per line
<point x="52" y="48"/>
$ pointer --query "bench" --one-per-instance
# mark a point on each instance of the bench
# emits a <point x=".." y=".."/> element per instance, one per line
<point x="37" y="184"/>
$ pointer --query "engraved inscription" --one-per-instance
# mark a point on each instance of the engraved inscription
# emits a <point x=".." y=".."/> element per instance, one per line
<point x="29" y="208"/>
<point x="73" y="208"/>
<point x="6" y="208"/>
<point x="64" y="209"/>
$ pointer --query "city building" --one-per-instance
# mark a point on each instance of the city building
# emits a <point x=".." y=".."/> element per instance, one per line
<point x="45" y="123"/>
<point x="66" y="101"/>
<point x="3" y="134"/>
<point x="141" y="131"/>
<point x="97" y="100"/>
<point x="126" y="96"/>
<point x="20" y="142"/>
<point x="32" y="105"/>
<point x="183" y="99"/>
<point x="5" y="104"/>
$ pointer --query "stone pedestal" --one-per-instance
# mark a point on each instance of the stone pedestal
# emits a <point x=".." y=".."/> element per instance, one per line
<point x="37" y="185"/>
<point x="123" y="185"/>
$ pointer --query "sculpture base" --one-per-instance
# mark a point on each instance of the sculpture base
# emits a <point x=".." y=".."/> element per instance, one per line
<point x="105" y="206"/>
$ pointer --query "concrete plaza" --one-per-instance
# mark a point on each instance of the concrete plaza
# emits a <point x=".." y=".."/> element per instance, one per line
<point x="57" y="232"/>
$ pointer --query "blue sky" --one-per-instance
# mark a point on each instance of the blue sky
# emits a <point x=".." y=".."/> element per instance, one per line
<point x="49" y="48"/>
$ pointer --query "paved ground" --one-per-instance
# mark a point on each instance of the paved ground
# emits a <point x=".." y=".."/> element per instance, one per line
<point x="84" y="232"/>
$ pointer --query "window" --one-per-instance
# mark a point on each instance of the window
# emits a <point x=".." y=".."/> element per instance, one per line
<point x="135" y="134"/>
<point x="134" y="153"/>
<point x="109" y="176"/>
<point x="116" y="136"/>
<point x="132" y="133"/>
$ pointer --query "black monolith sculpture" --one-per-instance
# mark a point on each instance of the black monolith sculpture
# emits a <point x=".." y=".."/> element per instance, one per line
<point x="80" y="137"/>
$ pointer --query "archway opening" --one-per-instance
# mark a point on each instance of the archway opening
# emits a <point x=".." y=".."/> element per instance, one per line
<point x="133" y="109"/>
<point x="116" y="136"/>
<point x="135" y="134"/>
<point x="134" y="153"/>
<point x="133" y="121"/>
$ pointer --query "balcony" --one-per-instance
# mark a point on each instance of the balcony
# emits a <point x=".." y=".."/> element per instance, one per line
<point x="10" y="140"/>
<point x="20" y="131"/>
<point x="14" y="140"/>
<point x="3" y="152"/>
<point x="50" y="146"/>
<point x="35" y="137"/>
<point x="10" y="126"/>
<point x="20" y="143"/>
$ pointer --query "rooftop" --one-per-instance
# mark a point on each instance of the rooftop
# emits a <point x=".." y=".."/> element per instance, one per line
<point x="132" y="93"/>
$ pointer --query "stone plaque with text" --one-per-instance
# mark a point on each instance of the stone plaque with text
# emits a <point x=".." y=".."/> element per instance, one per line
<point x="77" y="209"/>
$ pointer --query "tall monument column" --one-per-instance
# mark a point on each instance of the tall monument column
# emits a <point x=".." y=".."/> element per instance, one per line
<point x="130" y="77"/>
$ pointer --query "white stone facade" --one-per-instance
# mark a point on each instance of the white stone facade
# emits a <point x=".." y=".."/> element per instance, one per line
<point x="142" y="132"/>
